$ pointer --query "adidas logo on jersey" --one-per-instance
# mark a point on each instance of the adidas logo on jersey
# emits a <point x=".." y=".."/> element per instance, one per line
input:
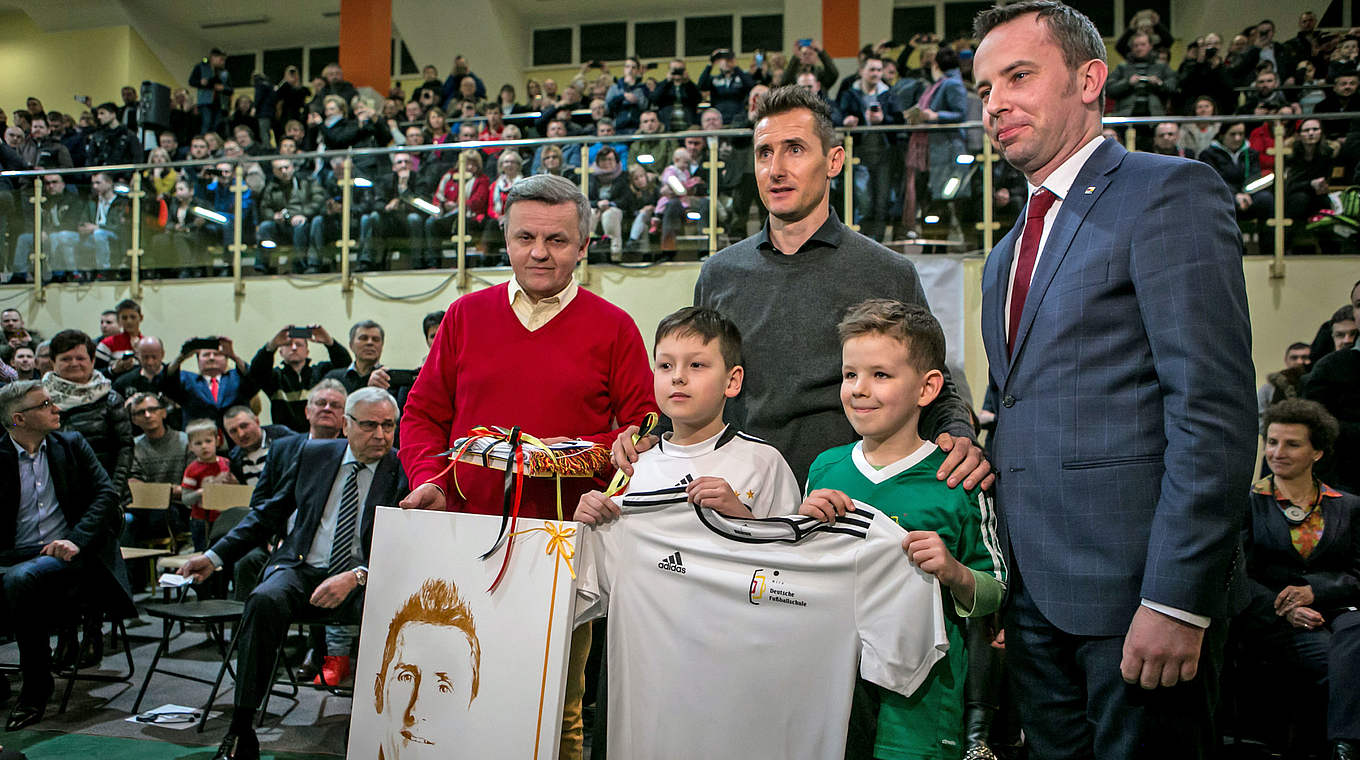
<point x="672" y="563"/>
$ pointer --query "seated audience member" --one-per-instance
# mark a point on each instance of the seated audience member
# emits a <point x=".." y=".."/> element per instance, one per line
<point x="1335" y="383"/>
<point x="290" y="209"/>
<point x="89" y="405"/>
<point x="651" y="153"/>
<point x="510" y="168"/>
<point x="638" y="202"/>
<point x="366" y="339"/>
<point x="1196" y="137"/>
<point x="396" y="217"/>
<point x="62" y="535"/>
<point x="63" y="212"/>
<point x="205" y="467"/>
<point x="1166" y="140"/>
<point x="1286" y="383"/>
<point x="250" y="441"/>
<point x="15" y="334"/>
<point x="605" y="128"/>
<point x="1303" y="568"/>
<point x="679" y="188"/>
<point x="549" y="160"/>
<point x="114" y="354"/>
<point x="213" y="389"/>
<point x="363" y="201"/>
<point x="179" y="245"/>
<point x="1141" y="85"/>
<point x="287" y="384"/>
<point x="108" y="323"/>
<point x="159" y="180"/>
<point x="1324" y="341"/>
<point x="607" y="181"/>
<point x="492" y="129"/>
<point x="628" y="97"/>
<point x="105" y="228"/>
<point x="1308" y="169"/>
<point x="43" y="149"/>
<point x="169" y="142"/>
<point x="321" y="565"/>
<point x="111" y="144"/>
<point x="150" y="356"/>
<point x="159" y="455"/>
<point x="1239" y="165"/>
<point x="727" y="86"/>
<point x="571" y="153"/>
<point x="1340" y="99"/>
<point x="477" y="199"/>
<point x="217" y="196"/>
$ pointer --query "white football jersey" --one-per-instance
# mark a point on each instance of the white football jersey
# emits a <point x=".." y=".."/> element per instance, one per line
<point x="754" y="469"/>
<point x="732" y="638"/>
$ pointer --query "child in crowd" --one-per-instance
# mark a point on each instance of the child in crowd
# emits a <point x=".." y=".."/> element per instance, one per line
<point x="892" y="358"/>
<point x="207" y="467"/>
<point x="677" y="182"/>
<point x="697" y="368"/>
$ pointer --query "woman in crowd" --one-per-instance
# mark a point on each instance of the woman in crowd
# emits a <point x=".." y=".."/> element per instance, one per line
<point x="637" y="202"/>
<point x="509" y="168"/>
<point x="1302" y="544"/>
<point x="476" y="191"/>
<point x="1307" y="170"/>
<point x="1197" y="136"/>
<point x="180" y="244"/>
<point x="606" y="183"/>
<point x="506" y="100"/>
<point x="89" y="405"/>
<point x="550" y="162"/>
<point x="160" y="180"/>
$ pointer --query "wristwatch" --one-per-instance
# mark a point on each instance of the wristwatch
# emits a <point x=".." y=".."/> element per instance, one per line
<point x="361" y="576"/>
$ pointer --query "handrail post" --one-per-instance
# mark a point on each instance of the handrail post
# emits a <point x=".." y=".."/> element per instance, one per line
<point x="1278" y="221"/>
<point x="39" y="293"/>
<point x="346" y="242"/>
<point x="584" y="175"/>
<point x="713" y="165"/>
<point x="237" y="247"/>
<point x="848" y="179"/>
<point x="460" y="236"/>
<point x="135" y="250"/>
<point x="988" y="225"/>
<point x="1131" y="138"/>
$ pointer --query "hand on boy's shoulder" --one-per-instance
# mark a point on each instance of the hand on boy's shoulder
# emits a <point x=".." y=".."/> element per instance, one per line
<point x="964" y="463"/>
<point x="595" y="508"/>
<point x="714" y="493"/>
<point x="826" y="504"/>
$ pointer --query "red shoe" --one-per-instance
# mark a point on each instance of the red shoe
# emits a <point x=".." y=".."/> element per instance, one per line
<point x="333" y="671"/>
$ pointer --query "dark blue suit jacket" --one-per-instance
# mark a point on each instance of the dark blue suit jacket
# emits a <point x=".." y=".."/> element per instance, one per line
<point x="307" y="489"/>
<point x="194" y="394"/>
<point x="1126" y="423"/>
<point x="89" y="502"/>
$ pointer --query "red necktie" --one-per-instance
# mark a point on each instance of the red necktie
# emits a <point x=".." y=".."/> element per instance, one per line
<point x="213" y="383"/>
<point x="1038" y="207"/>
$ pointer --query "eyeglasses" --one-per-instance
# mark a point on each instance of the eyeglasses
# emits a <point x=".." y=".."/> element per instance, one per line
<point x="43" y="405"/>
<point x="328" y="404"/>
<point x="369" y="426"/>
<point x="147" y="412"/>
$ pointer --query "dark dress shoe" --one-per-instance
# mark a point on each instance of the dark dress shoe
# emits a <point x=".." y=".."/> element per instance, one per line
<point x="1344" y="750"/>
<point x="242" y="746"/>
<point x="24" y="715"/>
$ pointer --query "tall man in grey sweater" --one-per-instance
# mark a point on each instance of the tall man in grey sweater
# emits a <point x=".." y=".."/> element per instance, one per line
<point x="788" y="285"/>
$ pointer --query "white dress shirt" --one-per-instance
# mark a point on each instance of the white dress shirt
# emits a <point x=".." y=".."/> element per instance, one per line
<point x="1060" y="184"/>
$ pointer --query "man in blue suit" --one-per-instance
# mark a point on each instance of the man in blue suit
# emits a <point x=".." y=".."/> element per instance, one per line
<point x="1115" y="321"/>
<point x="319" y="570"/>
<point x="208" y="393"/>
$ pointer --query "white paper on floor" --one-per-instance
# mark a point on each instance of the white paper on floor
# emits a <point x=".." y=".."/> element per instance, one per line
<point x="171" y="716"/>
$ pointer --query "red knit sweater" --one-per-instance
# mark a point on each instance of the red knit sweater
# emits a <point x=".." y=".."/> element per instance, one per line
<point x="585" y="374"/>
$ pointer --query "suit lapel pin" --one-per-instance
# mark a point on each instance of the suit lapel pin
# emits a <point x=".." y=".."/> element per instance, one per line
<point x="1090" y="189"/>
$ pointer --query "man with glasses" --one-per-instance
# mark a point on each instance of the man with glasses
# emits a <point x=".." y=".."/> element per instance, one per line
<point x="159" y="455"/>
<point x="319" y="570"/>
<point x="62" y="212"/>
<point x="60" y="533"/>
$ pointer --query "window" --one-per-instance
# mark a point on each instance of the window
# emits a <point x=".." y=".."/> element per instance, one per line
<point x="704" y="34"/>
<point x="319" y="57"/>
<point x="762" y="33"/>
<point x="908" y="22"/>
<point x="604" y="42"/>
<point x="552" y="46"/>
<point x="654" y="39"/>
<point x="240" y="68"/>
<point x="958" y="18"/>
<point x="275" y="61"/>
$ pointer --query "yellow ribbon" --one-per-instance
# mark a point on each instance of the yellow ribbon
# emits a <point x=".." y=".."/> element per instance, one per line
<point x="620" y="477"/>
<point x="559" y="540"/>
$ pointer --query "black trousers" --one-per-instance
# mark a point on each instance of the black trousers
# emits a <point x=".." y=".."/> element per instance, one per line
<point x="34" y="591"/>
<point x="282" y="598"/>
<point x="1074" y="703"/>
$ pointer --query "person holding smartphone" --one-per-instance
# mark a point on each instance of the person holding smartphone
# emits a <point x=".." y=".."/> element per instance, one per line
<point x="287" y="383"/>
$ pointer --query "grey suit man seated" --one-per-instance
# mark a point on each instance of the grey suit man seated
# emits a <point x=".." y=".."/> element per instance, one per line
<point x="319" y="570"/>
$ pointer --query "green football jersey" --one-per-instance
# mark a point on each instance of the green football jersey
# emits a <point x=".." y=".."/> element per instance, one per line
<point x="929" y="723"/>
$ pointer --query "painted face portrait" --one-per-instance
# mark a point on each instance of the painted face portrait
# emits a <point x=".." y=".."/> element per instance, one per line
<point x="430" y="675"/>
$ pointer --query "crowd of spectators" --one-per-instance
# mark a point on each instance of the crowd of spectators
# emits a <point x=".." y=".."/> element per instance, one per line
<point x="405" y="204"/>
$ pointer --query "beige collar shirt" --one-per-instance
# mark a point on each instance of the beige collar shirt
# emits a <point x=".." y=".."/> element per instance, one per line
<point x="534" y="315"/>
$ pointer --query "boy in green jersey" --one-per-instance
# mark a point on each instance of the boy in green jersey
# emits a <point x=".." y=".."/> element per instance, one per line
<point x="892" y="358"/>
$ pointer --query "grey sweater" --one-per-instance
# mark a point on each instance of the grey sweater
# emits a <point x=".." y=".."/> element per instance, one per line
<point x="787" y="307"/>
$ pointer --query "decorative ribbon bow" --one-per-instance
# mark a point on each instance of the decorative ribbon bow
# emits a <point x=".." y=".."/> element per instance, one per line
<point x="620" y="477"/>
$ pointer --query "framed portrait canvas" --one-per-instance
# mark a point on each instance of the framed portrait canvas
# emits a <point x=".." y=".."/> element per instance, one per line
<point x="448" y="669"/>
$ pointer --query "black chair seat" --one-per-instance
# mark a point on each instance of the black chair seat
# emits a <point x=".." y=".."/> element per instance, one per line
<point x="203" y="611"/>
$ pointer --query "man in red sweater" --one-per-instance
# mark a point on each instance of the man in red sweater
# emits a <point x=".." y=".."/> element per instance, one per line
<point x="538" y="352"/>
